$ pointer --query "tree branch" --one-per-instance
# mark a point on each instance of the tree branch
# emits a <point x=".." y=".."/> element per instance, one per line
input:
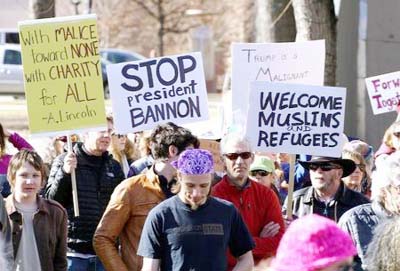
<point x="146" y="8"/>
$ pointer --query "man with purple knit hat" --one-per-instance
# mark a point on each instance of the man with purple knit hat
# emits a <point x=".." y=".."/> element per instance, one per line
<point x="192" y="230"/>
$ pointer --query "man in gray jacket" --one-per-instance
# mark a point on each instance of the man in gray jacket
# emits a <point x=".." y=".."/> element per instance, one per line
<point x="361" y="221"/>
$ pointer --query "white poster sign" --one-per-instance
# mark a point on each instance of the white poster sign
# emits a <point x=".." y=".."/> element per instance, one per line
<point x="296" y="119"/>
<point x="292" y="62"/>
<point x="154" y="91"/>
<point x="384" y="92"/>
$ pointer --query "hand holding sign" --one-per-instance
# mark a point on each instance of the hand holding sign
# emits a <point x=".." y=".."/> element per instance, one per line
<point x="70" y="162"/>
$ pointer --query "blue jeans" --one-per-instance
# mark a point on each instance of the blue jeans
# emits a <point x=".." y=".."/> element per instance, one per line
<point x="81" y="264"/>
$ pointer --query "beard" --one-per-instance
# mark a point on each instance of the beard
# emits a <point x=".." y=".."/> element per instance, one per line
<point x="194" y="206"/>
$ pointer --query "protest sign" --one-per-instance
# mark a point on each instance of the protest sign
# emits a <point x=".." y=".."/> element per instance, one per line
<point x="153" y="91"/>
<point x="62" y="74"/>
<point x="296" y="119"/>
<point x="292" y="62"/>
<point x="384" y="92"/>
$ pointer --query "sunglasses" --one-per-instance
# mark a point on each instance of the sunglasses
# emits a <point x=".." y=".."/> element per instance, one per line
<point x="361" y="166"/>
<point x="233" y="156"/>
<point x="396" y="134"/>
<point x="323" y="166"/>
<point x="118" y="135"/>
<point x="262" y="173"/>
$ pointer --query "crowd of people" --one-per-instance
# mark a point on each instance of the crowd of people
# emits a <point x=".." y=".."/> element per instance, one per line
<point x="154" y="201"/>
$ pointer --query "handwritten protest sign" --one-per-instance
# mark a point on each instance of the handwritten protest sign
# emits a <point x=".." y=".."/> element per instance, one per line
<point x="384" y="92"/>
<point x="296" y="119"/>
<point x="293" y="62"/>
<point x="62" y="74"/>
<point x="152" y="91"/>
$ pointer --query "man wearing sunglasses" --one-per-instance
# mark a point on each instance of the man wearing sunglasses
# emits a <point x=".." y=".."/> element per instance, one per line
<point x="258" y="204"/>
<point x="327" y="195"/>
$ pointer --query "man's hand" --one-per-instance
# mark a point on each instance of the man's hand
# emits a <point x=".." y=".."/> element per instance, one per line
<point x="270" y="230"/>
<point x="70" y="162"/>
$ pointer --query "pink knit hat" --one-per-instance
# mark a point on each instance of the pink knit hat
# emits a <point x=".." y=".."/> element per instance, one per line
<point x="312" y="242"/>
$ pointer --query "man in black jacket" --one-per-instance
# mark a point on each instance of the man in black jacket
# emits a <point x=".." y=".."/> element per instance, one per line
<point x="97" y="174"/>
<point x="327" y="196"/>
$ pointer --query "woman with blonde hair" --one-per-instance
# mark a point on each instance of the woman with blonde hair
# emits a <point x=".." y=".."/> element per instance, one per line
<point x="123" y="151"/>
<point x="359" y="180"/>
<point x="390" y="143"/>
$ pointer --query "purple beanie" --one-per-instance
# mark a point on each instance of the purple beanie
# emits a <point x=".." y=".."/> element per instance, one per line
<point x="312" y="242"/>
<point x="194" y="162"/>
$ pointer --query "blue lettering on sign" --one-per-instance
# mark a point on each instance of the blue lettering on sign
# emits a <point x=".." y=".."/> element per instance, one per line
<point x="185" y="64"/>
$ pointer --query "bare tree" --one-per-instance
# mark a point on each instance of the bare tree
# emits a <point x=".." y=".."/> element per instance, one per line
<point x="249" y="26"/>
<point x="275" y="21"/>
<point x="315" y="19"/>
<point x="42" y="9"/>
<point x="106" y="10"/>
<point x="170" y="16"/>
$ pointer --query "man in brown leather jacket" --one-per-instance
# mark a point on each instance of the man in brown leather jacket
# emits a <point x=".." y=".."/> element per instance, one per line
<point x="132" y="200"/>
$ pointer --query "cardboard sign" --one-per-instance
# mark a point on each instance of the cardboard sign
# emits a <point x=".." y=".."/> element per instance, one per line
<point x="293" y="62"/>
<point x="213" y="147"/>
<point x="296" y="119"/>
<point x="62" y="74"/>
<point x="384" y="92"/>
<point x="153" y="91"/>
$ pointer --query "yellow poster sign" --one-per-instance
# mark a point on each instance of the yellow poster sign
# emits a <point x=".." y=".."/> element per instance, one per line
<point x="62" y="74"/>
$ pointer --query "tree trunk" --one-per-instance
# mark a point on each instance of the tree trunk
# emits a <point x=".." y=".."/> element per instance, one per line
<point x="315" y="19"/>
<point x="275" y="21"/>
<point x="161" y="33"/>
<point x="42" y="9"/>
<point x="249" y="12"/>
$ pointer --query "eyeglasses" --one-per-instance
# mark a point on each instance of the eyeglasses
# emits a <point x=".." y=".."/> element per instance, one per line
<point x="396" y="134"/>
<point x="118" y="135"/>
<point x="323" y="166"/>
<point x="361" y="166"/>
<point x="262" y="173"/>
<point x="233" y="156"/>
